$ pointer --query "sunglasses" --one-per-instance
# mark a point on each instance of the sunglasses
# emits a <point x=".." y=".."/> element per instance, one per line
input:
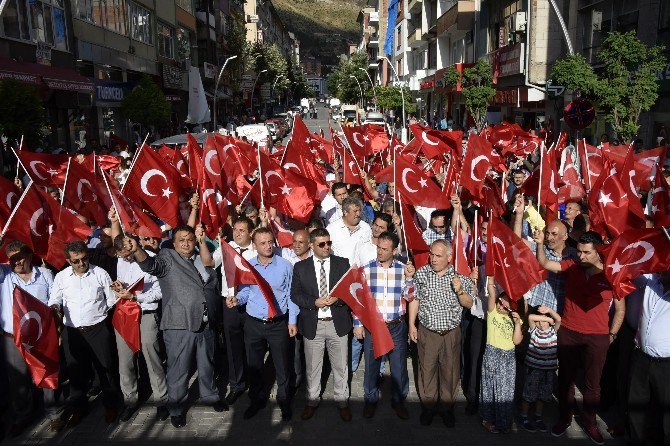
<point x="78" y="261"/>
<point x="324" y="244"/>
<point x="146" y="239"/>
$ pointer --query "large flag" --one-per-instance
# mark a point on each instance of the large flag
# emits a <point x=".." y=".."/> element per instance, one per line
<point x="44" y="169"/>
<point x="213" y="207"/>
<point x="633" y="253"/>
<point x="459" y="256"/>
<point x="9" y="196"/>
<point x="353" y="290"/>
<point x="475" y="166"/>
<point x="84" y="192"/>
<point x="127" y="317"/>
<point x="36" y="338"/>
<point x="413" y="238"/>
<point x="435" y="143"/>
<point x="510" y="261"/>
<point x="572" y="188"/>
<point x="416" y="187"/>
<point x="131" y="216"/>
<point x="609" y="204"/>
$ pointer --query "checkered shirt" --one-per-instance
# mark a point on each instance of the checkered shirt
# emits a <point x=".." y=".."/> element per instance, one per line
<point x="429" y="236"/>
<point x="551" y="292"/>
<point x="389" y="288"/>
<point x="439" y="308"/>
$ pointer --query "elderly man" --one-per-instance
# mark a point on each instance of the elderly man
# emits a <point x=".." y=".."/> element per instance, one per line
<point x="37" y="281"/>
<point x="348" y="232"/>
<point x="148" y="299"/>
<point x="191" y="307"/>
<point x="587" y="330"/>
<point x="441" y="294"/>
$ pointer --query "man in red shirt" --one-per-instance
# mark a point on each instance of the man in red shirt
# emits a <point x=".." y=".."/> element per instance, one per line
<point x="586" y="330"/>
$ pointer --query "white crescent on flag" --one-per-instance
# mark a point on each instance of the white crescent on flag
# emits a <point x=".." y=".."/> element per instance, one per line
<point x="147" y="176"/>
<point x="24" y="319"/>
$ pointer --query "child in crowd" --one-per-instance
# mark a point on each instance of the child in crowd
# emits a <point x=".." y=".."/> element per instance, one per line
<point x="541" y="364"/>
<point x="503" y="334"/>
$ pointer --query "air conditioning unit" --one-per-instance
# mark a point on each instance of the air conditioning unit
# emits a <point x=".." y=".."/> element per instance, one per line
<point x="519" y="22"/>
<point x="596" y="20"/>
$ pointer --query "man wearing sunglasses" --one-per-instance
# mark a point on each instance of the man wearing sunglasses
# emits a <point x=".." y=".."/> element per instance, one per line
<point x="324" y="321"/>
<point x="37" y="281"/>
<point x="82" y="296"/>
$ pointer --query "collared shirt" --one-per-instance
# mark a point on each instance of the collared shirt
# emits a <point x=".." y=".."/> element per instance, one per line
<point x="345" y="239"/>
<point x="653" y="334"/>
<point x="248" y="253"/>
<point x="429" y="236"/>
<point x="364" y="252"/>
<point x="439" y="307"/>
<point x="389" y="287"/>
<point x="551" y="292"/>
<point x="39" y="285"/>
<point x="325" y="311"/>
<point x="278" y="273"/>
<point x="85" y="299"/>
<point x="331" y="211"/>
<point x="291" y="256"/>
<point x="129" y="272"/>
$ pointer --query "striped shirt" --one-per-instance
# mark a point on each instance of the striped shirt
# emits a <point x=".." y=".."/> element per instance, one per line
<point x="389" y="288"/>
<point x="542" y="352"/>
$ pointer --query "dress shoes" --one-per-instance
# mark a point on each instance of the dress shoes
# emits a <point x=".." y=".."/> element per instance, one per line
<point x="56" y="425"/>
<point x="448" y="418"/>
<point x="111" y="415"/>
<point x="220" y="406"/>
<point x="77" y="416"/>
<point x="286" y="411"/>
<point x="162" y="413"/>
<point x="308" y="412"/>
<point x="369" y="410"/>
<point x="233" y="396"/>
<point x="401" y="411"/>
<point x="345" y="413"/>
<point x="178" y="421"/>
<point x="127" y="413"/>
<point x="426" y="417"/>
<point x="253" y="409"/>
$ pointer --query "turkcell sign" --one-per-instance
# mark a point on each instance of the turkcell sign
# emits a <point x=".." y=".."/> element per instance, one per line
<point x="110" y="91"/>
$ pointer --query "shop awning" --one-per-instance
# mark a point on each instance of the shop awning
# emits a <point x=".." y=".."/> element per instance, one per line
<point x="56" y="78"/>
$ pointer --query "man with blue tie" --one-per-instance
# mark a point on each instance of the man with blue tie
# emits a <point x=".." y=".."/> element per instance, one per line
<point x="262" y="332"/>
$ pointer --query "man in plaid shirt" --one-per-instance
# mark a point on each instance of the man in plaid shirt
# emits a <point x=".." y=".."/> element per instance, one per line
<point x="390" y="282"/>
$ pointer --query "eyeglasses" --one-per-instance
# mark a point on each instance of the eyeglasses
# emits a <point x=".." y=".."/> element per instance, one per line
<point x="329" y="243"/>
<point x="78" y="261"/>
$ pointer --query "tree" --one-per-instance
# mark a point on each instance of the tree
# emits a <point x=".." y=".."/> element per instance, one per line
<point x="22" y="113"/>
<point x="342" y="85"/>
<point x="146" y="104"/>
<point x="390" y="98"/>
<point x="625" y="86"/>
<point x="477" y="88"/>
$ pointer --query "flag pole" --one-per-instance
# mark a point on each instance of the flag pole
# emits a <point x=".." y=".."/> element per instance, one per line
<point x="539" y="187"/>
<point x="260" y="174"/>
<point x="18" y="161"/>
<point x="588" y="170"/>
<point x="67" y="172"/>
<point x="137" y="155"/>
<point x="16" y="208"/>
<point x="402" y="225"/>
<point x="475" y="239"/>
<point x="109" y="191"/>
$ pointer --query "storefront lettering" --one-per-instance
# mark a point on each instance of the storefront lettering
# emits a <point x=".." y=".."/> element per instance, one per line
<point x="105" y="93"/>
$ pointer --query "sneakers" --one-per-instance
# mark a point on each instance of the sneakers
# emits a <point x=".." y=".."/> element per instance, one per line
<point x="528" y="424"/>
<point x="560" y="427"/>
<point x="594" y="434"/>
<point x="540" y="426"/>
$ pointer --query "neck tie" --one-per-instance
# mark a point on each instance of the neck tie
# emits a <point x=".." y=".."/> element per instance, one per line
<point x="323" y="286"/>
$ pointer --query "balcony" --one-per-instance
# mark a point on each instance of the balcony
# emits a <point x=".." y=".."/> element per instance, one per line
<point x="461" y="14"/>
<point x="374" y="17"/>
<point x="414" y="39"/>
<point x="414" y="6"/>
<point x="374" y="41"/>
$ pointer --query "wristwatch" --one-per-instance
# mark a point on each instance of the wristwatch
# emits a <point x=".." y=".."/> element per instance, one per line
<point x="612" y="335"/>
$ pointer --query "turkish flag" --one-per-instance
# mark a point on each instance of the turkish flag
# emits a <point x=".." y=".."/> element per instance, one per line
<point x="475" y="166"/>
<point x="300" y="159"/>
<point x="416" y="187"/>
<point x="591" y="161"/>
<point x="131" y="216"/>
<point x="167" y="152"/>
<point x="627" y="176"/>
<point x="192" y="153"/>
<point x="157" y="184"/>
<point x="645" y="165"/>
<point x="572" y="188"/>
<point x="44" y="169"/>
<point x="283" y="236"/>
<point x="435" y="143"/>
<point x="413" y="236"/>
<point x="353" y="290"/>
<point x="213" y="207"/>
<point x="377" y="139"/>
<point x="239" y="272"/>
<point x="492" y="203"/>
<point x="525" y="144"/>
<point x="178" y="161"/>
<point x="510" y="261"/>
<point x="211" y="164"/>
<point x="357" y="140"/>
<point x="84" y="192"/>
<point x="659" y="203"/>
<point x="126" y="321"/>
<point x="548" y="193"/>
<point x="36" y="338"/>
<point x="9" y="196"/>
<point x="609" y="204"/>
<point x="115" y="140"/>
<point x="633" y="253"/>
<point x="502" y="136"/>
<point x="460" y="257"/>
<point x="324" y="147"/>
<point x="242" y="153"/>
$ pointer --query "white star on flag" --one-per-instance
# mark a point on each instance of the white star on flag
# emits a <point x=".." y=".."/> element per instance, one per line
<point x="423" y="182"/>
<point x="167" y="192"/>
<point x="285" y="189"/>
<point x="616" y="266"/>
<point x="605" y="199"/>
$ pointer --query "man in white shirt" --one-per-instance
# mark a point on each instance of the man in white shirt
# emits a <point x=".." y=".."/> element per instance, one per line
<point x="331" y="206"/>
<point x="129" y="273"/>
<point x="348" y="232"/>
<point x="82" y="296"/>
<point x="366" y="250"/>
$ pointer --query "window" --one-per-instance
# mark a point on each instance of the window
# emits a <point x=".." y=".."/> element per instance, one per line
<point x="165" y="41"/>
<point x="108" y="13"/>
<point x="184" y="39"/>
<point x="186" y="5"/>
<point x="664" y="25"/>
<point x="432" y="54"/>
<point x="35" y="21"/>
<point x="140" y="23"/>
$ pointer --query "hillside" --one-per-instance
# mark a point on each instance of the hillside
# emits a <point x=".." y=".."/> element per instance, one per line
<point x="323" y="26"/>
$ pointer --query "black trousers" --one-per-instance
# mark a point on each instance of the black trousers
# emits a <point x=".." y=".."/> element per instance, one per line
<point x="96" y="345"/>
<point x="258" y="337"/>
<point x="233" y="329"/>
<point x="474" y="339"/>
<point x="649" y="400"/>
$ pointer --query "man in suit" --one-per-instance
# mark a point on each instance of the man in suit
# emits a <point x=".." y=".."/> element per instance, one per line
<point x="324" y="321"/>
<point x="191" y="309"/>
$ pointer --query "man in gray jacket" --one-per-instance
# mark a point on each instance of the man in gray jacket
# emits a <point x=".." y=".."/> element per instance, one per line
<point x="191" y="309"/>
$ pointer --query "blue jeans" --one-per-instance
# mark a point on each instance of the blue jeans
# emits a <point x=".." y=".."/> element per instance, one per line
<point x="398" y="361"/>
<point x="357" y="352"/>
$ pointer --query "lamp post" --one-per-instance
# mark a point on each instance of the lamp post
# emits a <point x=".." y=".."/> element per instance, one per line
<point x="253" y="90"/>
<point x="374" y="91"/>
<point x="402" y="95"/>
<point x="273" y="90"/>
<point x="359" y="88"/>
<point x="216" y="86"/>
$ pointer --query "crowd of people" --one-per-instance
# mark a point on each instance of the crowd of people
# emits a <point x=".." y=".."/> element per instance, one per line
<point x="511" y="355"/>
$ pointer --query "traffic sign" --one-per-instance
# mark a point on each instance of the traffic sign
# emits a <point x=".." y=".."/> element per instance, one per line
<point x="554" y="91"/>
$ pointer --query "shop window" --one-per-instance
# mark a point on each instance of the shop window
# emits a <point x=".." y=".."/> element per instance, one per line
<point x="140" y="23"/>
<point x="165" y="41"/>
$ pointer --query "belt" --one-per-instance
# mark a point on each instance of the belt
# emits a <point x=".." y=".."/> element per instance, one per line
<point x="325" y="319"/>
<point x="270" y="320"/>
<point x="439" y="332"/>
<point x="149" y="311"/>
<point x="394" y="321"/>
<point x="651" y="358"/>
<point x="90" y="327"/>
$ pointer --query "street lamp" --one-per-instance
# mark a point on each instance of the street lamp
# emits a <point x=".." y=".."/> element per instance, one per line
<point x="374" y="91"/>
<point x="216" y="86"/>
<point x="253" y="90"/>
<point x="273" y="90"/>
<point x="402" y="95"/>
<point x="359" y="88"/>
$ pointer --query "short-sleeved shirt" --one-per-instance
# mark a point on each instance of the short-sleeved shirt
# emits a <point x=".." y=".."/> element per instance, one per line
<point x="542" y="353"/>
<point x="499" y="330"/>
<point x="587" y="300"/>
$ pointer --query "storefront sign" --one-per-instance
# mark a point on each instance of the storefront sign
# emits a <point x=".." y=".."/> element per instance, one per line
<point x="508" y="60"/>
<point x="427" y="84"/>
<point x="172" y="97"/>
<point x="43" y="53"/>
<point x="111" y="91"/>
<point x="508" y="96"/>
<point x="173" y="77"/>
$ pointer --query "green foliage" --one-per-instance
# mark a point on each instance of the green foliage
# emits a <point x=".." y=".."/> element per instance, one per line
<point x="300" y="87"/>
<point x="625" y="86"/>
<point x="477" y="88"/>
<point x="21" y="113"/>
<point x="342" y="85"/>
<point x="390" y="98"/>
<point x="146" y="104"/>
<point x="237" y="45"/>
